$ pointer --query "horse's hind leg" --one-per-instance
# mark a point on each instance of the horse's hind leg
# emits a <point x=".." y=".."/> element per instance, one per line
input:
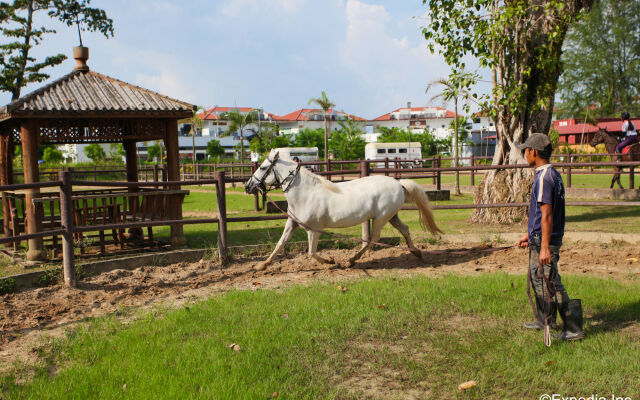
<point x="404" y="230"/>
<point x="313" y="245"/>
<point x="289" y="228"/>
<point x="376" y="229"/>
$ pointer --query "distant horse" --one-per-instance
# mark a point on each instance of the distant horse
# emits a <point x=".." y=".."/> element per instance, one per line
<point x="610" y="142"/>
<point x="315" y="203"/>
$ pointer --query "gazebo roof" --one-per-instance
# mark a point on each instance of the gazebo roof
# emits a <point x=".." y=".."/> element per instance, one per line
<point x="87" y="94"/>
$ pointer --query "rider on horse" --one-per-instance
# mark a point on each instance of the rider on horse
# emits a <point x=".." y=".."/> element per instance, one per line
<point x="630" y="132"/>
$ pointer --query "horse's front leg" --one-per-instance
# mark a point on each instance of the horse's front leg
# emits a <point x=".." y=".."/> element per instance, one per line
<point x="289" y="228"/>
<point x="313" y="245"/>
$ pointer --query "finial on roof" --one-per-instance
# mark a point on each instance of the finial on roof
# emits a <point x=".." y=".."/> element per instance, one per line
<point x="81" y="55"/>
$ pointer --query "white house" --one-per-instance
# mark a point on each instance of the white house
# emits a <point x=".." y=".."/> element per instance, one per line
<point x="435" y="120"/>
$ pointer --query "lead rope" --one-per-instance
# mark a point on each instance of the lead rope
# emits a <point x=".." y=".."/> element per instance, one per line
<point x="547" y="302"/>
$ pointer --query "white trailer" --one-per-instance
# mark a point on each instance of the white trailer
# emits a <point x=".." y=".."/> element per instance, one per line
<point x="409" y="152"/>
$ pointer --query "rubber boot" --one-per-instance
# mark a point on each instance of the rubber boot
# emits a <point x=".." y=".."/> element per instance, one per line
<point x="571" y="314"/>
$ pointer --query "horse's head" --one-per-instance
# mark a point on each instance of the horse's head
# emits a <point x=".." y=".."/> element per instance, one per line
<point x="599" y="137"/>
<point x="273" y="173"/>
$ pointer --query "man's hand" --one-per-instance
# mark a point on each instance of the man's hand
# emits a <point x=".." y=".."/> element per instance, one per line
<point x="545" y="256"/>
<point x="524" y="241"/>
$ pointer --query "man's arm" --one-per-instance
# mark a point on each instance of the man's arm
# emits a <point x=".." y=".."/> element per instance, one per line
<point x="547" y="228"/>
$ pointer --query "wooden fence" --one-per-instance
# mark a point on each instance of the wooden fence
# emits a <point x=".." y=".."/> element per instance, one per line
<point x="69" y="227"/>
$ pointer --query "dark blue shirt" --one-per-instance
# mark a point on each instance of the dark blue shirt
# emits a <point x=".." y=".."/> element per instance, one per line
<point x="547" y="189"/>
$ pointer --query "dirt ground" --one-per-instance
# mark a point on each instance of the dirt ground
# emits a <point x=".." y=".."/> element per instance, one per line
<point x="30" y="319"/>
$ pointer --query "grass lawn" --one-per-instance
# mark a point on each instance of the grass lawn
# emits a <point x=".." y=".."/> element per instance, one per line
<point x="390" y="338"/>
<point x="602" y="181"/>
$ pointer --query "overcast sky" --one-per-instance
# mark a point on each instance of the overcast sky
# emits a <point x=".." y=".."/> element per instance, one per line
<point x="368" y="55"/>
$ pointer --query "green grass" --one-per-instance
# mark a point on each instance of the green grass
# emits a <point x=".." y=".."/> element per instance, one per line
<point x="315" y="342"/>
<point x="601" y="181"/>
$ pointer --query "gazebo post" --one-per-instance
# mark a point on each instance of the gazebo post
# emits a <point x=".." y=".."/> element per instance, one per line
<point x="34" y="213"/>
<point x="173" y="174"/>
<point x="6" y="175"/>
<point x="132" y="176"/>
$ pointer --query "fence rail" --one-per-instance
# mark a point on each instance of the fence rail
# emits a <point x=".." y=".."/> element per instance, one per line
<point x="68" y="227"/>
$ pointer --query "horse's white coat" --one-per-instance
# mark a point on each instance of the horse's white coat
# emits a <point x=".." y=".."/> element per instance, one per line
<point x="320" y="204"/>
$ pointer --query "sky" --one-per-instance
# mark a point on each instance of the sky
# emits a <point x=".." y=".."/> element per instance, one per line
<point x="368" y="55"/>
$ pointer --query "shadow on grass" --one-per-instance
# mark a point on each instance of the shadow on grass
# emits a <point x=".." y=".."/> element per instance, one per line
<point x="610" y="320"/>
<point x="603" y="213"/>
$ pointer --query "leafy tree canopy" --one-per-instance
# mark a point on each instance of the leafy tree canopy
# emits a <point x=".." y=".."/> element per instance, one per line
<point x="347" y="143"/>
<point x="21" y="32"/>
<point x="95" y="152"/>
<point x="215" y="149"/>
<point x="52" y="155"/>
<point x="308" y="137"/>
<point x="601" y="62"/>
<point x="154" y="151"/>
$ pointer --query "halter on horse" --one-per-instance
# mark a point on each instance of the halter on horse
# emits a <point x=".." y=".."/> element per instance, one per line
<point x="610" y="142"/>
<point x="315" y="203"/>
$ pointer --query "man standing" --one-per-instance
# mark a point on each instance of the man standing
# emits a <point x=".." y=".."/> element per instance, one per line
<point x="544" y="238"/>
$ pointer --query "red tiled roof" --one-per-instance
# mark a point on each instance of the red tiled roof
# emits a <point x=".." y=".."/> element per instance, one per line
<point x="610" y="125"/>
<point x="213" y="112"/>
<point x="303" y="114"/>
<point x="387" y="116"/>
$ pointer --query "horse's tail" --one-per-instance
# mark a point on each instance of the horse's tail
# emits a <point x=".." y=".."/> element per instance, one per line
<point x="417" y="195"/>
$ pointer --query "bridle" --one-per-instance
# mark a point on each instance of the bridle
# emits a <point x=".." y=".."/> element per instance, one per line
<point x="278" y="181"/>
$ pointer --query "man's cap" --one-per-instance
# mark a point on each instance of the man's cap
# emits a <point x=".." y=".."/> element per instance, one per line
<point x="537" y="141"/>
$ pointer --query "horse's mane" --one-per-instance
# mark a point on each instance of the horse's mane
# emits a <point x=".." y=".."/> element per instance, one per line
<point x="332" y="187"/>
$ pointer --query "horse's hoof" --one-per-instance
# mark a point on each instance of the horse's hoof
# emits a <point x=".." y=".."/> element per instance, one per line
<point x="260" y="267"/>
<point x="330" y="261"/>
<point x="350" y="264"/>
<point x="417" y="253"/>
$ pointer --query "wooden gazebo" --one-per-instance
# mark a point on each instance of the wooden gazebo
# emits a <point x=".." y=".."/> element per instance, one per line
<point x="87" y="107"/>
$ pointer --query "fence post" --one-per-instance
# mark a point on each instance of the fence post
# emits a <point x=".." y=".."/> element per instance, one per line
<point x="366" y="226"/>
<point x="256" y="198"/>
<point x="631" y="180"/>
<point x="15" y="228"/>
<point x="184" y="172"/>
<point x="155" y="173"/>
<point x="95" y="173"/>
<point x="222" y="216"/>
<point x="66" y="221"/>
<point x="473" y="174"/>
<point x="328" y="169"/>
<point x="438" y="176"/>
<point x="386" y="166"/>
<point x="569" y="171"/>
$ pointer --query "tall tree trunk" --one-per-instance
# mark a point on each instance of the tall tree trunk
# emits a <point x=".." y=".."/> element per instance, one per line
<point x="533" y="115"/>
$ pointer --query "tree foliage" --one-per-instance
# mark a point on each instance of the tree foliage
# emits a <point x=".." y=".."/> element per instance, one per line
<point x="52" y="155"/>
<point x="21" y="32"/>
<point x="308" y="137"/>
<point x="215" y="149"/>
<point x="95" y="152"/>
<point x="431" y="145"/>
<point x="601" y="61"/>
<point x="347" y="143"/>
<point x="154" y="151"/>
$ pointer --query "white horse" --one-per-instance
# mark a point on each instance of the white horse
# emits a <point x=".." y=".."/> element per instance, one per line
<point x="316" y="203"/>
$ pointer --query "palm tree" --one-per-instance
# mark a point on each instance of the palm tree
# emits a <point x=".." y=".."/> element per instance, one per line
<point x="454" y="89"/>
<point x="237" y="122"/>
<point x="197" y="123"/>
<point x="324" y="103"/>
